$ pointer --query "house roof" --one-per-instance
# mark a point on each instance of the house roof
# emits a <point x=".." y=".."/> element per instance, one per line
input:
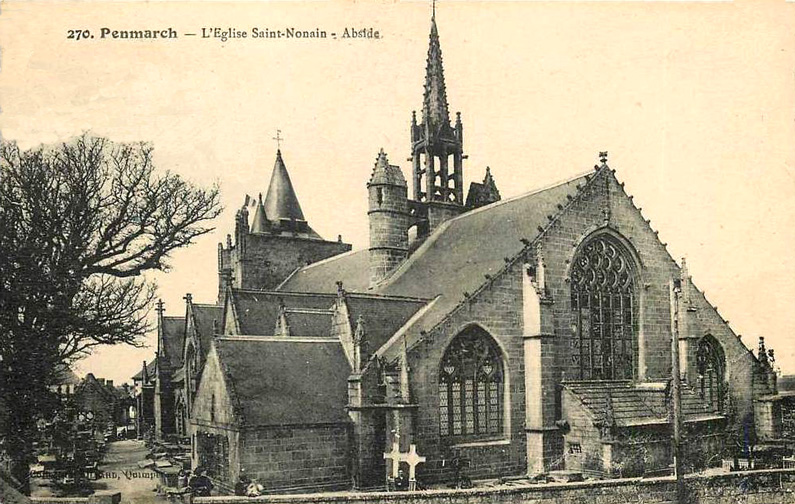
<point x="453" y="260"/>
<point x="173" y="334"/>
<point x="635" y="404"/>
<point x="285" y="380"/>
<point x="65" y="376"/>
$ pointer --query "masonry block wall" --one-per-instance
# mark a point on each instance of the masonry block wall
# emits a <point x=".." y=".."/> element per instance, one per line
<point x="298" y="457"/>
<point x="268" y="259"/>
<point x="498" y="310"/>
<point x="582" y="449"/>
<point x="212" y="413"/>
<point x="750" y="487"/>
<point x="603" y="206"/>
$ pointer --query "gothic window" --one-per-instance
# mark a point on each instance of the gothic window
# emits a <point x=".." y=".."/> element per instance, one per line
<point x="711" y="366"/>
<point x="471" y="387"/>
<point x="603" y="312"/>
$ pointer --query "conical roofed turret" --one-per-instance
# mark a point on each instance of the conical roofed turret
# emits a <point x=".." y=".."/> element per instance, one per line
<point x="260" y="223"/>
<point x="386" y="174"/>
<point x="281" y="203"/>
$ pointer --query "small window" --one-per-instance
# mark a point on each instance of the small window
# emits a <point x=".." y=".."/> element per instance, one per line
<point x="379" y="193"/>
<point x="575" y="448"/>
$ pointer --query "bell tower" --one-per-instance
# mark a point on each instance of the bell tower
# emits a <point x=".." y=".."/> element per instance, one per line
<point x="436" y="145"/>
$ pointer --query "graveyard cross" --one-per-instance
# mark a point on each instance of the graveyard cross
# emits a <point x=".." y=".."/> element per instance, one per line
<point x="396" y="457"/>
<point x="413" y="459"/>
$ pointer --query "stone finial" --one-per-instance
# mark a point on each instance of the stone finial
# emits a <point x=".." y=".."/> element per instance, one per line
<point x="340" y="288"/>
<point x="603" y="157"/>
<point x="761" y="354"/>
<point x="358" y="343"/>
<point x="282" y="324"/>
<point x="404" y="372"/>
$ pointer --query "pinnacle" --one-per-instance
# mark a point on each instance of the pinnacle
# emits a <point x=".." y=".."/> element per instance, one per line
<point x="435" y="108"/>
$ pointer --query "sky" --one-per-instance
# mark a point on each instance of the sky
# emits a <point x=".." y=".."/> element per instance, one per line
<point x="694" y="101"/>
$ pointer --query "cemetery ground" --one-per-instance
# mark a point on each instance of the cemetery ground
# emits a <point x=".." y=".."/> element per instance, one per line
<point x="120" y="472"/>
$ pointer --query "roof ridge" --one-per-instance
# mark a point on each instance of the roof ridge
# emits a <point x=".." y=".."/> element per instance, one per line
<point x="272" y="339"/>
<point x="589" y="178"/>
<point x="428" y="243"/>
<point x="324" y="261"/>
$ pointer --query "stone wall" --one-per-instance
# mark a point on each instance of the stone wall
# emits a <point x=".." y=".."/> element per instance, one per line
<point x="497" y="310"/>
<point x="269" y="259"/>
<point x="776" y="485"/>
<point x="296" y="457"/>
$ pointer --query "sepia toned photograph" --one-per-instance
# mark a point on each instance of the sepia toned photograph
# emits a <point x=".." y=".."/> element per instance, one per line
<point x="397" y="251"/>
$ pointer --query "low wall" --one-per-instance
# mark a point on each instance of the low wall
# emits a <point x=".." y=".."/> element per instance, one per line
<point x="96" y="498"/>
<point x="765" y="486"/>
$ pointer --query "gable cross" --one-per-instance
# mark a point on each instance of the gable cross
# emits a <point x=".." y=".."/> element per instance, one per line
<point x="278" y="139"/>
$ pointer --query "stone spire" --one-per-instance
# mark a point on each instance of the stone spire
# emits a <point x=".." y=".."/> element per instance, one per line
<point x="281" y="203"/>
<point x="434" y="106"/>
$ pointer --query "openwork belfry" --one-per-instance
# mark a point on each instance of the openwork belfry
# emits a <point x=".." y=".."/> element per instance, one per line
<point x="603" y="311"/>
<point x="470" y="383"/>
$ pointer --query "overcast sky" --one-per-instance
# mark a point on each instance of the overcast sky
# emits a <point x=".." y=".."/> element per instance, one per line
<point x="693" y="101"/>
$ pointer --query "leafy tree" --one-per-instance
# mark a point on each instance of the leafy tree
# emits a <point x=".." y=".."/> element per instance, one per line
<point x="80" y="223"/>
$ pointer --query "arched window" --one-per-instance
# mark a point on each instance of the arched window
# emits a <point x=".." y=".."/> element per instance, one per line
<point x="471" y="386"/>
<point x="711" y="367"/>
<point x="603" y="311"/>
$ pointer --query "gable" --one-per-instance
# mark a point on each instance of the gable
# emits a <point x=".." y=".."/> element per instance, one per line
<point x="213" y="401"/>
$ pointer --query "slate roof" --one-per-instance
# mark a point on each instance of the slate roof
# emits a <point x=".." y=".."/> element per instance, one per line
<point x="65" y="376"/>
<point x="308" y="322"/>
<point x="310" y="314"/>
<point x="281" y="201"/>
<point x="173" y="334"/>
<point x="383" y="317"/>
<point x="203" y="317"/>
<point x="453" y="260"/>
<point x="268" y="379"/>
<point x="636" y="404"/>
<point x="385" y="173"/>
<point x="786" y="383"/>
<point x="352" y="268"/>
<point x="257" y="312"/>
<point x="150" y="369"/>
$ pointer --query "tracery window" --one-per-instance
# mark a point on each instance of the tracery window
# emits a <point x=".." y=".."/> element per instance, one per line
<point x="711" y="366"/>
<point x="604" y="314"/>
<point x="471" y="386"/>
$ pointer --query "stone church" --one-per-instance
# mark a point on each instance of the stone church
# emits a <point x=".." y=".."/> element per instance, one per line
<point x="525" y="335"/>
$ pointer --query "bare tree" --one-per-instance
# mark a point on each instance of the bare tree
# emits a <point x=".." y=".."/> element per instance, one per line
<point x="79" y="223"/>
